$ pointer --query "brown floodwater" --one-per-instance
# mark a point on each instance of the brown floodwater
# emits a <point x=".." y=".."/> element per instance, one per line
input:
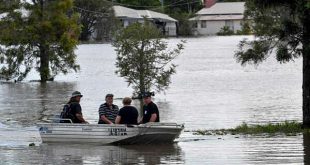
<point x="209" y="91"/>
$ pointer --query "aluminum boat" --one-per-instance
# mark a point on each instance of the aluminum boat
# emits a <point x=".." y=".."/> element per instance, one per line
<point x="149" y="133"/>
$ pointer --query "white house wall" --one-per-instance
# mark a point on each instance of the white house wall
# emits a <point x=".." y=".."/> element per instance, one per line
<point x="171" y="29"/>
<point x="237" y="25"/>
<point x="214" y="27"/>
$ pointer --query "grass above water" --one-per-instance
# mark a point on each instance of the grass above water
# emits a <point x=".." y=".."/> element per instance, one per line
<point x="288" y="128"/>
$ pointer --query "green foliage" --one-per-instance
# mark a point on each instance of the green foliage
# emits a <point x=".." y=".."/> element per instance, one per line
<point x="138" y="4"/>
<point x="245" y="29"/>
<point x="232" y="0"/>
<point x="277" y="26"/>
<point x="288" y="128"/>
<point x="255" y="54"/>
<point x="143" y="58"/>
<point x="6" y="6"/>
<point x="281" y="27"/>
<point x="95" y="15"/>
<point x="184" y="25"/>
<point x="43" y="36"/>
<point x="225" y="31"/>
<point x="175" y="7"/>
<point x="182" y="11"/>
<point x="179" y="10"/>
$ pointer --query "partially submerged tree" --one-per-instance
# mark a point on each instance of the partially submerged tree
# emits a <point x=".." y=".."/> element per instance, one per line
<point x="95" y="15"/>
<point x="283" y="27"/>
<point x="40" y="34"/>
<point x="143" y="57"/>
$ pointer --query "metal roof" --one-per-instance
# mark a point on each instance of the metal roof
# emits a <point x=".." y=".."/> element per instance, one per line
<point x="124" y="12"/>
<point x="121" y="11"/>
<point x="155" y="15"/>
<point x="217" y="17"/>
<point x="223" y="8"/>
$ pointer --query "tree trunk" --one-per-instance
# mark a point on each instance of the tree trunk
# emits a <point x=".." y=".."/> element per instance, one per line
<point x="306" y="144"/>
<point x="306" y="69"/>
<point x="44" y="63"/>
<point x="44" y="54"/>
<point x="141" y="76"/>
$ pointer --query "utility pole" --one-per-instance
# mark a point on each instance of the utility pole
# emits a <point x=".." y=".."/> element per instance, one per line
<point x="162" y="5"/>
<point x="188" y="7"/>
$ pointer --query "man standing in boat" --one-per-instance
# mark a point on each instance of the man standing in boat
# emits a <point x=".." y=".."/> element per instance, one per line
<point x="108" y="111"/>
<point x="75" y="109"/>
<point x="150" y="110"/>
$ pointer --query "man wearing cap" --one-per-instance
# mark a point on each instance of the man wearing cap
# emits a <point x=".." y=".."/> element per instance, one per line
<point x="150" y="110"/>
<point x="108" y="111"/>
<point x="75" y="108"/>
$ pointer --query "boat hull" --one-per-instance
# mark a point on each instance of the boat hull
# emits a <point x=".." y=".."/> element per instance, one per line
<point x="109" y="134"/>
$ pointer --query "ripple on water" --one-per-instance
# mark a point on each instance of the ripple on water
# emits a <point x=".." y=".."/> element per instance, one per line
<point x="17" y="136"/>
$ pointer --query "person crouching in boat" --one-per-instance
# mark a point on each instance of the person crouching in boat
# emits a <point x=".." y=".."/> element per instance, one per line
<point x="150" y="110"/>
<point x="108" y="111"/>
<point x="75" y="108"/>
<point x="128" y="114"/>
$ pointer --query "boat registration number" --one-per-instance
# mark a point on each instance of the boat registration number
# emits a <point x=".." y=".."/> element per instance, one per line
<point x="117" y="131"/>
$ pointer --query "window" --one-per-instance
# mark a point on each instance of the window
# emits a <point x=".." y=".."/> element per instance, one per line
<point x="230" y="24"/>
<point x="203" y="24"/>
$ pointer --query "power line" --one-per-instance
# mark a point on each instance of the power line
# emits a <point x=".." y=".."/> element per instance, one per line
<point x="170" y="5"/>
<point x="174" y="4"/>
<point x="151" y="7"/>
<point x="90" y="11"/>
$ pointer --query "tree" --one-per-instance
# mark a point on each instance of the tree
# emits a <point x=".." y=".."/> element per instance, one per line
<point x="184" y="6"/>
<point x="225" y="31"/>
<point x="283" y="27"/>
<point x="138" y="4"/>
<point x="232" y="0"/>
<point x="183" y="11"/>
<point x="40" y="34"/>
<point x="143" y="59"/>
<point x="94" y="15"/>
<point x="6" y="6"/>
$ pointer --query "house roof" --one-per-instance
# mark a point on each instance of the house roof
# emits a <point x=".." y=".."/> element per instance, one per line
<point x="155" y="15"/>
<point x="121" y="11"/>
<point x="217" y="17"/>
<point x="223" y="8"/>
<point x="124" y="12"/>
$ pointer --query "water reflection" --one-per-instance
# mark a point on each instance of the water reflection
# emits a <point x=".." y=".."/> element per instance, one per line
<point x="28" y="103"/>
<point x="280" y="149"/>
<point x="86" y="154"/>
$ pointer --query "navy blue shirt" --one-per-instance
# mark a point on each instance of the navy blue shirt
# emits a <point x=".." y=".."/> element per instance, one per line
<point x="75" y="108"/>
<point x="148" y="110"/>
<point x="128" y="114"/>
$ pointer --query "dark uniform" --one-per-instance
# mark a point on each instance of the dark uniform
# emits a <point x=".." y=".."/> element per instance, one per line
<point x="75" y="108"/>
<point x="148" y="110"/>
<point x="128" y="114"/>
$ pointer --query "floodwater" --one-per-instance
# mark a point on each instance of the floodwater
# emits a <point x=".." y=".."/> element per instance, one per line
<point x="209" y="91"/>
